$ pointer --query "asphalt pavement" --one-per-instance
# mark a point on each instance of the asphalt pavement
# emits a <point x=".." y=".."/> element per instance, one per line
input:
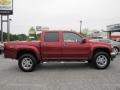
<point x="57" y="76"/>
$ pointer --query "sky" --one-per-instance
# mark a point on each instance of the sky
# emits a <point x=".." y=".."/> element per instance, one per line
<point x="64" y="14"/>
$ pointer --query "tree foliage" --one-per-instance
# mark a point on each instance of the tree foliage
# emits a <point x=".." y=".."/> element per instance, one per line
<point x="14" y="37"/>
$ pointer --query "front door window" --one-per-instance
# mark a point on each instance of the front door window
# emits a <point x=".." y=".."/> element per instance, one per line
<point x="71" y="37"/>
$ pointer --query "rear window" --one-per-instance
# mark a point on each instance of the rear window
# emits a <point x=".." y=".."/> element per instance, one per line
<point x="51" y="37"/>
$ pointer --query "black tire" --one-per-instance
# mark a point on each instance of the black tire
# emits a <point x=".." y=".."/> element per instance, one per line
<point x="105" y="61"/>
<point x="31" y="60"/>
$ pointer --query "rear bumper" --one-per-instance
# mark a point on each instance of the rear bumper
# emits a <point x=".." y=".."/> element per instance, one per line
<point x="113" y="55"/>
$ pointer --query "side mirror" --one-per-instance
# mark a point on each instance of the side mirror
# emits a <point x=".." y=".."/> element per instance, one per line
<point x="84" y="40"/>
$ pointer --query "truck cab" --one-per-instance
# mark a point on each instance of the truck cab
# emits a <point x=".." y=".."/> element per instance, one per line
<point x="64" y="45"/>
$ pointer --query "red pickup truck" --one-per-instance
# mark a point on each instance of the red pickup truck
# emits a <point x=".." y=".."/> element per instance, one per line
<point x="59" y="46"/>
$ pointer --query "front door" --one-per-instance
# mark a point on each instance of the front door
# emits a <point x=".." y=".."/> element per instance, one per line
<point x="73" y="48"/>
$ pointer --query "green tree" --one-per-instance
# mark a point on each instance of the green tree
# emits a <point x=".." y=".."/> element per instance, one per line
<point x="14" y="37"/>
<point x="32" y="34"/>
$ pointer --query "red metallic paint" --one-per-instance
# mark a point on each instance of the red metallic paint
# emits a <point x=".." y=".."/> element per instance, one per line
<point x="46" y="51"/>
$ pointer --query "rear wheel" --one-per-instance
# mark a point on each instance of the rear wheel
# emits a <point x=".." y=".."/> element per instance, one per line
<point x="101" y="60"/>
<point x="27" y="63"/>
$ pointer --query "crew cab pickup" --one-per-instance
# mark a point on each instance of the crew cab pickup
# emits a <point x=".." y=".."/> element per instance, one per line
<point x="59" y="46"/>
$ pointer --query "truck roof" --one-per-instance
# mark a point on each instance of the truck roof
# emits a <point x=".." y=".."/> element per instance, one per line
<point x="64" y="31"/>
<point x="58" y="31"/>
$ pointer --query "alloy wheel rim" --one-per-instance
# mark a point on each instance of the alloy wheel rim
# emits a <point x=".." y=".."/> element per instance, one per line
<point x="27" y="63"/>
<point x="101" y="61"/>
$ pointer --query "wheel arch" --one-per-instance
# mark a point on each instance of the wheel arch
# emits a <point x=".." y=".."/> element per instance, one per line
<point x="100" y="50"/>
<point x="27" y="51"/>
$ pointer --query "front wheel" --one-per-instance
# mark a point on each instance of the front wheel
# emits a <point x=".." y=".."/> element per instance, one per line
<point x="101" y="60"/>
<point x="27" y="63"/>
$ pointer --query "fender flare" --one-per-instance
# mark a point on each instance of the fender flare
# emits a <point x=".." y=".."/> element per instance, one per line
<point x="31" y="49"/>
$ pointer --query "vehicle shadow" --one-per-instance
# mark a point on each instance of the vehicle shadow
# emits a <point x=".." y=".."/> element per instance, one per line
<point x="56" y="67"/>
<point x="63" y="66"/>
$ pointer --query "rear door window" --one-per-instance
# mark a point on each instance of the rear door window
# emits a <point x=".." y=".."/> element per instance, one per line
<point x="51" y="37"/>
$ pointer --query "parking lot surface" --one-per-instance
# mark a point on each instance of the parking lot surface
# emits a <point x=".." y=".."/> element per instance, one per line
<point x="56" y="76"/>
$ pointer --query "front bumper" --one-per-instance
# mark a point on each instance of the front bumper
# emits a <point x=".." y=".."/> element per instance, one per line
<point x="113" y="55"/>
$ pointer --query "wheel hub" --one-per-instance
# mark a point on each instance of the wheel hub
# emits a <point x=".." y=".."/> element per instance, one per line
<point x="101" y="61"/>
<point x="27" y="63"/>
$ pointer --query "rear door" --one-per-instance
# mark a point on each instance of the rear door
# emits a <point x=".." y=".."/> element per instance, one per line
<point x="73" y="48"/>
<point x="51" y="46"/>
